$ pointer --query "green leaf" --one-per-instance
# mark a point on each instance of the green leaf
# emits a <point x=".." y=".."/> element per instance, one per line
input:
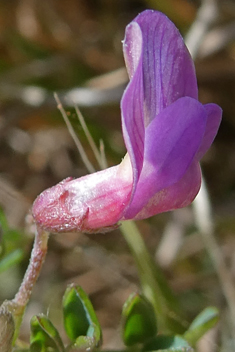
<point x="168" y="343"/>
<point x="201" y="324"/>
<point x="44" y="336"/>
<point x="85" y="342"/>
<point x="138" y="320"/>
<point x="80" y="321"/>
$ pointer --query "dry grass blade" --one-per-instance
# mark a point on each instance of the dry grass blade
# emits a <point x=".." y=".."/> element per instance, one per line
<point x="204" y="222"/>
<point x="102" y="155"/>
<point x="79" y="146"/>
<point x="90" y="138"/>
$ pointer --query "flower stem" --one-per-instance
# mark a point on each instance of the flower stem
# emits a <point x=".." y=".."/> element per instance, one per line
<point x="153" y="283"/>
<point x="18" y="304"/>
<point x="36" y="261"/>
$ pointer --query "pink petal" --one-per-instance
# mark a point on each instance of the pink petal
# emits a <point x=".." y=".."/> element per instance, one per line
<point x="88" y="203"/>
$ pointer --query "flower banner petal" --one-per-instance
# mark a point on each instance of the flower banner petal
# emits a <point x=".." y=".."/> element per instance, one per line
<point x="132" y="103"/>
<point x="168" y="69"/>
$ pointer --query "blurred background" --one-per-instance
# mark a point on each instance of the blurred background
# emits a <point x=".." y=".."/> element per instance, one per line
<point x="73" y="48"/>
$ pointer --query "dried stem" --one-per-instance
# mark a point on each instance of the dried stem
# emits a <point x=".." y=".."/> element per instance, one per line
<point x="204" y="222"/>
<point x="205" y="18"/>
<point x="202" y="207"/>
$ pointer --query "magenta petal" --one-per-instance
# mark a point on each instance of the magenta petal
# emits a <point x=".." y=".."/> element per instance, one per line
<point x="133" y="123"/>
<point x="166" y="132"/>
<point x="214" y="113"/>
<point x="177" y="196"/>
<point x="132" y="105"/>
<point x="171" y="142"/>
<point x="161" y="71"/>
<point x="168" y="70"/>
<point x="85" y="204"/>
<point x="132" y="47"/>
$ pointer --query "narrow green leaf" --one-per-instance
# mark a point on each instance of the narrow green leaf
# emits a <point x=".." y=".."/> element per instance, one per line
<point x="138" y="320"/>
<point x="80" y="321"/>
<point x="206" y="320"/>
<point x="44" y="336"/>
<point x="11" y="259"/>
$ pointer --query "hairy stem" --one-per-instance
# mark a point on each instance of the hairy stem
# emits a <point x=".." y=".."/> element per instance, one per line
<point x="18" y="304"/>
<point x="36" y="261"/>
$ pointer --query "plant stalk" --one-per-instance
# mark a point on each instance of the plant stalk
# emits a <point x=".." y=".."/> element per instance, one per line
<point x="18" y="304"/>
<point x="153" y="283"/>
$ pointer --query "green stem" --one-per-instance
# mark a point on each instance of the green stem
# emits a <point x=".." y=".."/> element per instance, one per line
<point x="153" y="283"/>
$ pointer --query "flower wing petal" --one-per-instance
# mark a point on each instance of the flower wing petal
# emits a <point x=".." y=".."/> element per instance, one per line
<point x="172" y="140"/>
<point x="214" y="113"/>
<point x="178" y="195"/>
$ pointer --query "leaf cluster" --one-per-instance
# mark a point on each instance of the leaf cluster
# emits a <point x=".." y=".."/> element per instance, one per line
<point x="138" y="325"/>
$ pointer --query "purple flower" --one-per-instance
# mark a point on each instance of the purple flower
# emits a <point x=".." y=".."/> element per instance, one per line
<point x="166" y="132"/>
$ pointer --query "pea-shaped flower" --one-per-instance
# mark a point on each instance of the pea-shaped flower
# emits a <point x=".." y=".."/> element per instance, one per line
<point x="166" y="131"/>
